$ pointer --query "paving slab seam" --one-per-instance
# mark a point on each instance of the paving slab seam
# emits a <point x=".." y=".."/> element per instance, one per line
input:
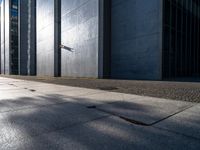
<point x="174" y="114"/>
<point x="136" y="122"/>
<point x="60" y="129"/>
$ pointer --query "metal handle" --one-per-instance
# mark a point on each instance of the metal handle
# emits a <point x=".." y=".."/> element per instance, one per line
<point x="67" y="48"/>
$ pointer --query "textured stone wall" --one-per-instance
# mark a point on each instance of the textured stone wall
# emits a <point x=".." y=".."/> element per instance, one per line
<point x="80" y="31"/>
<point x="2" y="38"/>
<point x="136" y="39"/>
<point x="7" y="37"/>
<point x="45" y="37"/>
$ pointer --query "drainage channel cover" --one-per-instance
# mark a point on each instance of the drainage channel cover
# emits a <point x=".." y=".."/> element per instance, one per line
<point x="108" y="88"/>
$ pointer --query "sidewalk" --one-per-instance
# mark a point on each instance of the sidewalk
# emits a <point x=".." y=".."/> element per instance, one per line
<point x="182" y="91"/>
<point x="35" y="115"/>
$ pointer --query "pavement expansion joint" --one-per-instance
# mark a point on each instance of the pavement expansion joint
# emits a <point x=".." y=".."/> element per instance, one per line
<point x="134" y="121"/>
<point x="172" y="115"/>
<point x="121" y="117"/>
<point x="137" y="122"/>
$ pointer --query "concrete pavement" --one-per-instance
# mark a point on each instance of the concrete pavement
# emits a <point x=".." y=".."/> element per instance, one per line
<point x="187" y="90"/>
<point x="36" y="115"/>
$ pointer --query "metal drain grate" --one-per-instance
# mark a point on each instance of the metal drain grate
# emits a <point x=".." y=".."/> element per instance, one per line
<point x="32" y="90"/>
<point x="108" y="88"/>
<point x="91" y="107"/>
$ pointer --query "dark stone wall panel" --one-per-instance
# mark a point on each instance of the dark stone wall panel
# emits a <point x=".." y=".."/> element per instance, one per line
<point x="136" y="27"/>
<point x="23" y="37"/>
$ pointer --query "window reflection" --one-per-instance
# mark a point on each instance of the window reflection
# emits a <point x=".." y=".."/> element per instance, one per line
<point x="14" y="37"/>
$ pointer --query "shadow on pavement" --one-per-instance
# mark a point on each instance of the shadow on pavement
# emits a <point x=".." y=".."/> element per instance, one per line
<point x="57" y="122"/>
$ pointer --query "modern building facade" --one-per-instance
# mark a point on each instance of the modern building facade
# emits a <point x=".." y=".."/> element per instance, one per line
<point x="132" y="39"/>
<point x="18" y="37"/>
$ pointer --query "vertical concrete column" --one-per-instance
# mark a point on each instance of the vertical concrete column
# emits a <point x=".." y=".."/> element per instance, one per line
<point x="2" y="37"/>
<point x="104" y="38"/>
<point x="23" y="35"/>
<point x="7" y="35"/>
<point x="48" y="16"/>
<point x="27" y="35"/>
<point x="31" y="66"/>
<point x="57" y="39"/>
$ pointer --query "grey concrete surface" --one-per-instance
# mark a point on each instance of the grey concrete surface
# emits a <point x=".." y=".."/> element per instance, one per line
<point x="148" y="114"/>
<point x="58" y="117"/>
<point x="187" y="123"/>
<point x="184" y="90"/>
<point x="32" y="122"/>
<point x="106" y="134"/>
